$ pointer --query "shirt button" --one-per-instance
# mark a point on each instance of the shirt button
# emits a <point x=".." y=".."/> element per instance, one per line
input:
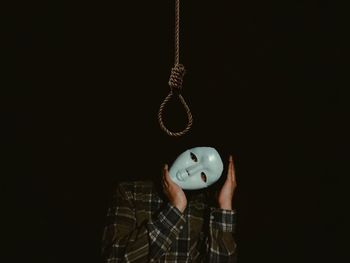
<point x="181" y="227"/>
<point x="212" y="217"/>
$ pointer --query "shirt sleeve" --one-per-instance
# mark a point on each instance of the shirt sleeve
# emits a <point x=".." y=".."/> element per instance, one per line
<point x="222" y="246"/>
<point x="125" y="240"/>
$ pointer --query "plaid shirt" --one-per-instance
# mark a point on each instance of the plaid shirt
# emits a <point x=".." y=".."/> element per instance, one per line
<point x="141" y="227"/>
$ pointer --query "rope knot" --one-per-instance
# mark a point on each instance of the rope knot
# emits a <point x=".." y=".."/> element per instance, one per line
<point x="176" y="77"/>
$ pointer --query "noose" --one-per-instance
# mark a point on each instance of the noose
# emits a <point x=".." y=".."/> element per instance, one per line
<point x="176" y="80"/>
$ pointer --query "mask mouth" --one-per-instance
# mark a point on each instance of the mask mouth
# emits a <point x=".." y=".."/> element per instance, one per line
<point x="182" y="175"/>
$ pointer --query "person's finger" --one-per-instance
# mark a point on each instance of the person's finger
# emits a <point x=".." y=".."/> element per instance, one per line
<point x="229" y="169"/>
<point x="163" y="181"/>
<point x="165" y="175"/>
<point x="165" y="169"/>
<point x="233" y="174"/>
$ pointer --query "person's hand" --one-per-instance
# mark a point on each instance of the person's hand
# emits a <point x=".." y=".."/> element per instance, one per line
<point x="173" y="192"/>
<point x="225" y="196"/>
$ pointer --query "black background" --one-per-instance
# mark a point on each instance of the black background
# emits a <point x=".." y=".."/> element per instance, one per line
<point x="264" y="82"/>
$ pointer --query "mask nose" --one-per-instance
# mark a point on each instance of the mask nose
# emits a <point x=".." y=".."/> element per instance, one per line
<point x="183" y="174"/>
<point x="194" y="169"/>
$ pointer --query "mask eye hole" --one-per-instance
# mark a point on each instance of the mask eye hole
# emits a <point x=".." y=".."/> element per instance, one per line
<point x="204" y="177"/>
<point x="194" y="157"/>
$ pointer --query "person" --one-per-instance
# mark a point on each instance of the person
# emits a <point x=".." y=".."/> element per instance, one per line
<point x="145" y="225"/>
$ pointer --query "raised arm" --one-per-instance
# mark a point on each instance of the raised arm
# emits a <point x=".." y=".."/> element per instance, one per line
<point x="222" y="246"/>
<point x="126" y="240"/>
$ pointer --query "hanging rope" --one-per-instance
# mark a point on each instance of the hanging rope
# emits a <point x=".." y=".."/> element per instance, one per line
<point x="176" y="80"/>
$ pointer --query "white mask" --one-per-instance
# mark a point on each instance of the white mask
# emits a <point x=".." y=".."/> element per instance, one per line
<point x="196" y="168"/>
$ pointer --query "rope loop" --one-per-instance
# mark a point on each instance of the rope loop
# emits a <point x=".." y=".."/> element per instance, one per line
<point x="188" y="112"/>
<point x="176" y="77"/>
